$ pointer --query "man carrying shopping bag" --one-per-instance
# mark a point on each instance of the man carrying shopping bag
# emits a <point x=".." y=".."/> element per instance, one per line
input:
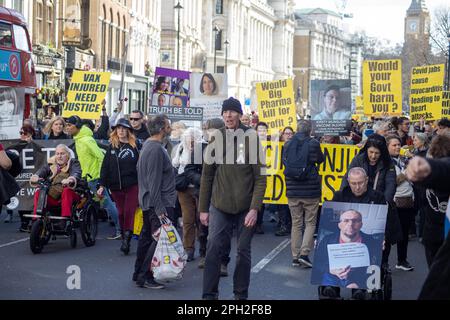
<point x="157" y="196"/>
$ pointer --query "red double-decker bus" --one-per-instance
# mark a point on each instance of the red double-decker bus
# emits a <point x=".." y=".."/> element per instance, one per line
<point x="17" y="73"/>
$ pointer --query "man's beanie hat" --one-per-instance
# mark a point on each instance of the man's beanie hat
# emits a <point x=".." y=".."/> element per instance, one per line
<point x="233" y="105"/>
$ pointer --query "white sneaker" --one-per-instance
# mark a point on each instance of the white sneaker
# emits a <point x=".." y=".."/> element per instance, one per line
<point x="405" y="266"/>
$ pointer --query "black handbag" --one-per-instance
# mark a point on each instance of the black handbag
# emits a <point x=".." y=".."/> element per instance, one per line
<point x="404" y="202"/>
<point x="181" y="182"/>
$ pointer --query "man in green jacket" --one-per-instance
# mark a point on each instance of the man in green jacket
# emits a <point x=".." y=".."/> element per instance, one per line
<point x="231" y="191"/>
<point x="91" y="157"/>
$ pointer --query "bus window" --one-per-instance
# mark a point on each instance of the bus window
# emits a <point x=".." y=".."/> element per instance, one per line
<point x="21" y="39"/>
<point x="5" y="35"/>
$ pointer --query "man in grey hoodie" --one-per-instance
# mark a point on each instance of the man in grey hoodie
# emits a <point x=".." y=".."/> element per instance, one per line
<point x="157" y="196"/>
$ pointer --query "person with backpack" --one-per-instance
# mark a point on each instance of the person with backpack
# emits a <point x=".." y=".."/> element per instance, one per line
<point x="301" y="157"/>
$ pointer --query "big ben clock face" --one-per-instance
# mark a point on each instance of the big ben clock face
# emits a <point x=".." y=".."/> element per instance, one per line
<point x="413" y="26"/>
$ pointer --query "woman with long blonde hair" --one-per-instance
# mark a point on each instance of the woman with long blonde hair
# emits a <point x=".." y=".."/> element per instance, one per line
<point x="119" y="174"/>
<point x="54" y="130"/>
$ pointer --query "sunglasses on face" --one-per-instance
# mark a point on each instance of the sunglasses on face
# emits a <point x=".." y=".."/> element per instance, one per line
<point x="135" y="119"/>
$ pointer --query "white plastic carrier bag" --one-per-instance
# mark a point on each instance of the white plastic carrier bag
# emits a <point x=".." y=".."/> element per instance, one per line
<point x="170" y="259"/>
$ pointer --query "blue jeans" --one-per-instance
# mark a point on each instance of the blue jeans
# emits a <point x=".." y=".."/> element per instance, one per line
<point x="107" y="204"/>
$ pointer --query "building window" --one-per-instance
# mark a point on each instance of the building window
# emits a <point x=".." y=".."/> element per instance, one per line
<point x="49" y="34"/>
<point x="103" y="40"/>
<point x="220" y="69"/>
<point x="219" y="6"/>
<point x="111" y="36"/>
<point x="218" y="44"/>
<point x="18" y="5"/>
<point x="124" y="37"/>
<point x="39" y="23"/>
<point x="118" y="33"/>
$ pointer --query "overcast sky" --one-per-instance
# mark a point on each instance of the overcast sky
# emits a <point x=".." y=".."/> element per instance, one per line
<point x="380" y="18"/>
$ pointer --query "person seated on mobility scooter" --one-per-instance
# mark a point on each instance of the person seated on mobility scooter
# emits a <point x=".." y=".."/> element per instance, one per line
<point x="64" y="174"/>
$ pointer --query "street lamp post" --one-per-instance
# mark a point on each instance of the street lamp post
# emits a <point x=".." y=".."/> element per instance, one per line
<point x="178" y="7"/>
<point x="216" y="32"/>
<point x="226" y="43"/>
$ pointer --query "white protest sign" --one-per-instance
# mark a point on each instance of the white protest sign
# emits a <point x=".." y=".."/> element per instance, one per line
<point x="344" y="255"/>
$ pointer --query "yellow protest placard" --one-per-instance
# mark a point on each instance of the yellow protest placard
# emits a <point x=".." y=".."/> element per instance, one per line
<point x="337" y="159"/>
<point x="276" y="104"/>
<point x="86" y="92"/>
<point x="445" y="104"/>
<point x="427" y="84"/>
<point x="276" y="184"/>
<point x="359" y="110"/>
<point x="382" y="87"/>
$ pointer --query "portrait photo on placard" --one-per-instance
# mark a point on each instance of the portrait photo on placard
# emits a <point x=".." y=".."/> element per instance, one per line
<point x="176" y="101"/>
<point x="349" y="245"/>
<point x="331" y="100"/>
<point x="207" y="85"/>
<point x="162" y="85"/>
<point x="160" y="100"/>
<point x="180" y="87"/>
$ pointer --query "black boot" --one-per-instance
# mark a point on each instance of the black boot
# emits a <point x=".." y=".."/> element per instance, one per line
<point x="125" y="247"/>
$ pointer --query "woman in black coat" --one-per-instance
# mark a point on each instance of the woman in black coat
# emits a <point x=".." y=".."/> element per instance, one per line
<point x="375" y="159"/>
<point x="119" y="174"/>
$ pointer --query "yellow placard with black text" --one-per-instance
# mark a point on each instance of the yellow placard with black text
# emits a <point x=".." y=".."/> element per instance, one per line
<point x="427" y="85"/>
<point x="359" y="110"/>
<point x="276" y="184"/>
<point x="276" y="104"/>
<point x="382" y="87"/>
<point x="337" y="159"/>
<point x="86" y="92"/>
<point x="445" y="104"/>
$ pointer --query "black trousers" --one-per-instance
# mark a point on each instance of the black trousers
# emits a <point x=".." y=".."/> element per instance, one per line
<point x="220" y="236"/>
<point x="406" y="216"/>
<point x="431" y="250"/>
<point x="147" y="245"/>
<point x="203" y="241"/>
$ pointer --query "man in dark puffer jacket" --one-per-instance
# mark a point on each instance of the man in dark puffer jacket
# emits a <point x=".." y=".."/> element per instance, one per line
<point x="304" y="197"/>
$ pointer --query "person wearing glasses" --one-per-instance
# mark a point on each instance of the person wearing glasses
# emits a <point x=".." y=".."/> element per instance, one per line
<point x="137" y="121"/>
<point x="350" y="224"/>
<point x="402" y="125"/>
<point x="27" y="133"/>
<point x="332" y="106"/>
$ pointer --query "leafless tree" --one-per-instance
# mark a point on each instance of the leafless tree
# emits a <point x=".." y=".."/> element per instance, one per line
<point x="440" y="30"/>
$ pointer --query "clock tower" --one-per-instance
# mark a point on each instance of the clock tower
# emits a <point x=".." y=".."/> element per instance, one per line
<point x="417" y="22"/>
